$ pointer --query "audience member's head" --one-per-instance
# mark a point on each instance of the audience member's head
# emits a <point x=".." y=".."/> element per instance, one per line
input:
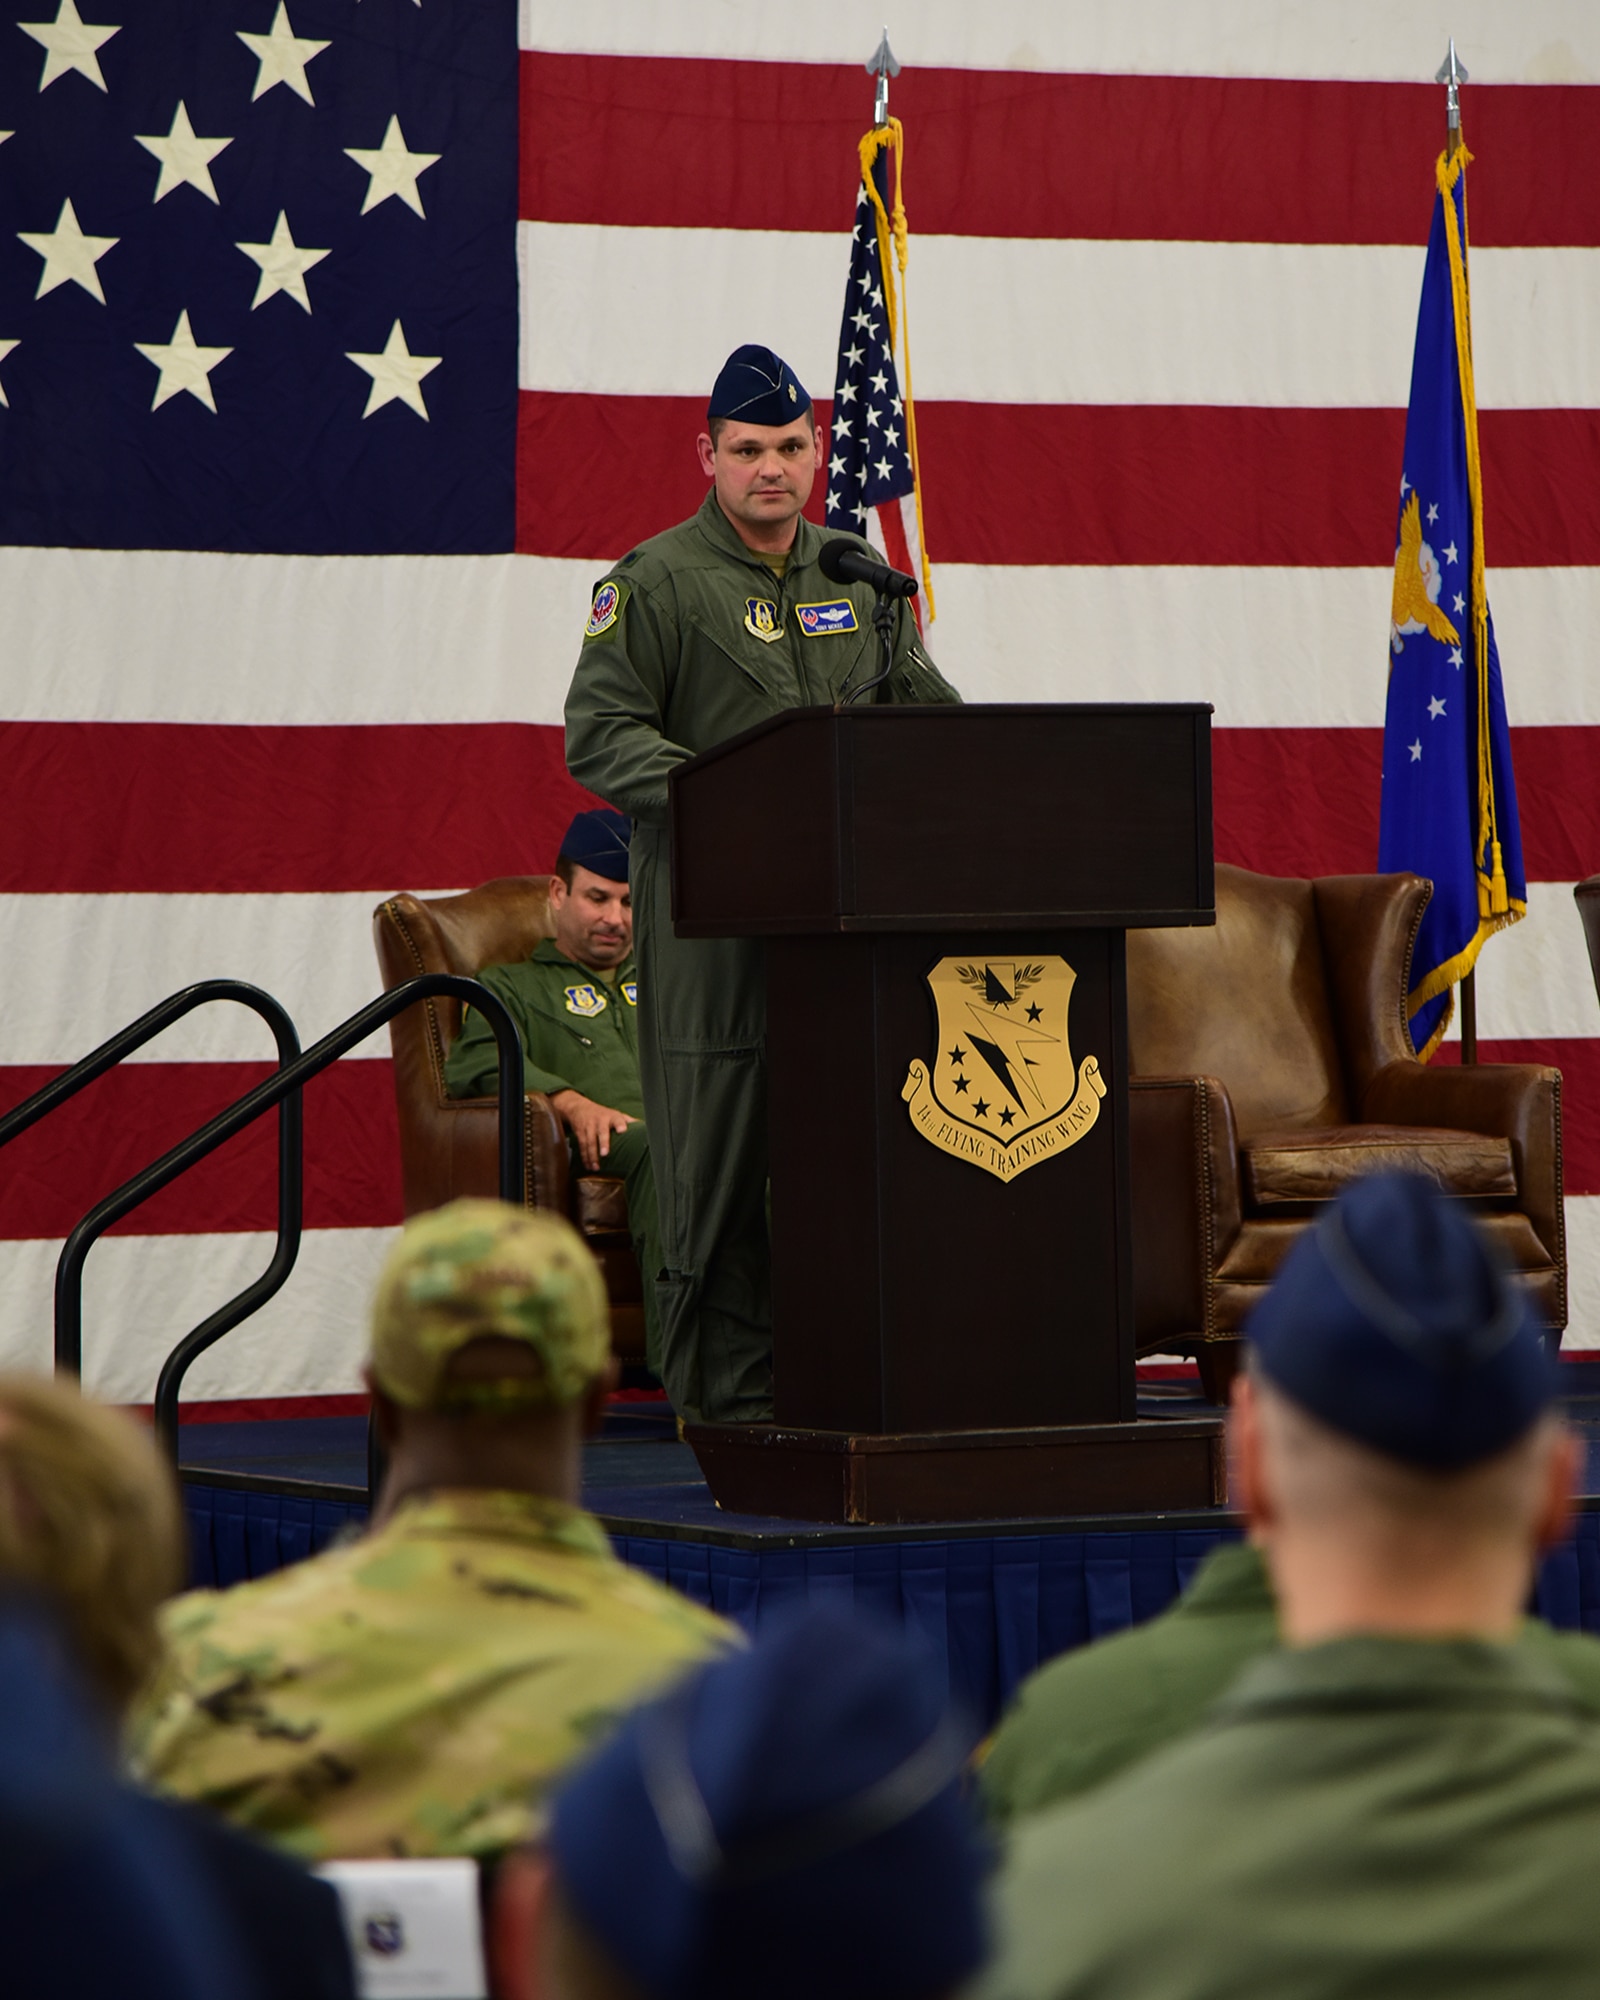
<point x="1396" y="1448"/>
<point x="90" y="1523"/>
<point x="789" y="1820"/>
<point x="591" y="907"/>
<point x="491" y="1351"/>
<point x="98" y="1891"/>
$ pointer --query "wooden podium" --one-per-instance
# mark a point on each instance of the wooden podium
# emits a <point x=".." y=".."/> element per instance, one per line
<point x="944" y="894"/>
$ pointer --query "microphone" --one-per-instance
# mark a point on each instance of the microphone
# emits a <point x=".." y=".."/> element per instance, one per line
<point x="843" y="562"/>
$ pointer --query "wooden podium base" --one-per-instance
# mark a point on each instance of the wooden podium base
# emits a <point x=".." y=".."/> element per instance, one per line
<point x="847" y="1476"/>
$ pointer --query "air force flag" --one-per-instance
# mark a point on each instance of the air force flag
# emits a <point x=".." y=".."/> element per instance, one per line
<point x="1449" y="801"/>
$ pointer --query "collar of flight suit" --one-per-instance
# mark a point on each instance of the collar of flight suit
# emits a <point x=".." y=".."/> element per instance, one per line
<point x="498" y="1515"/>
<point x="1373" y="1673"/>
<point x="720" y="532"/>
<point x="1232" y="1578"/>
<point x="548" y="952"/>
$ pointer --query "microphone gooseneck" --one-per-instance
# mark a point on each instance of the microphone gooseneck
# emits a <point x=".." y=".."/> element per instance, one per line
<point x="843" y="561"/>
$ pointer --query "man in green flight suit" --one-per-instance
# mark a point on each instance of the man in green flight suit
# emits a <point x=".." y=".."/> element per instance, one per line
<point x="695" y="635"/>
<point x="1086" y="1716"/>
<point x="575" y="1003"/>
<point x="1402" y="1800"/>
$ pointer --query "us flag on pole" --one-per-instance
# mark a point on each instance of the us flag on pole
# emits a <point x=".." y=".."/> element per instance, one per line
<point x="872" y="479"/>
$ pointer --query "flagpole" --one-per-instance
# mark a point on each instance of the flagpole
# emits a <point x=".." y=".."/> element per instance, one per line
<point x="884" y="145"/>
<point x="882" y="65"/>
<point x="1452" y="75"/>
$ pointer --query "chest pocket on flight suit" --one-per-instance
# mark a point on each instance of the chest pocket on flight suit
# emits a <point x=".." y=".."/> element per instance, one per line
<point x="829" y="658"/>
<point x="830" y="661"/>
<point x="768" y="667"/>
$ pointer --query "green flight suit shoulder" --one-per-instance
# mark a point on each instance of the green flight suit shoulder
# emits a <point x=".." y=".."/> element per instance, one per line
<point x="1083" y="1718"/>
<point x="413" y="1693"/>
<point x="1395" y="1817"/>
<point x="1089" y="1714"/>
<point x="691" y="639"/>
<point x="578" y="1032"/>
<point x="1575" y="1656"/>
<point x="627" y="668"/>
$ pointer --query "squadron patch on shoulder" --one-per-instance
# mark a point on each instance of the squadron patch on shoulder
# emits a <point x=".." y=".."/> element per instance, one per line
<point x="585" y="1000"/>
<point x="761" y="619"/>
<point x="838" y="614"/>
<point x="606" y="608"/>
<point x="629" y="988"/>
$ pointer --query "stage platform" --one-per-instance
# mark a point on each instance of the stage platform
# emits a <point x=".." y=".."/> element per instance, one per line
<point x="994" y="1598"/>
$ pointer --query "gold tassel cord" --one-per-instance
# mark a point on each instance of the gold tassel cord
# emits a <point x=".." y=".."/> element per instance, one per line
<point x="893" y="228"/>
<point x="1494" y="904"/>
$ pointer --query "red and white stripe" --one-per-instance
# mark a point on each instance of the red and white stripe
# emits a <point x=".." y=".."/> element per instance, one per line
<point x="1163" y="283"/>
<point x="892" y="530"/>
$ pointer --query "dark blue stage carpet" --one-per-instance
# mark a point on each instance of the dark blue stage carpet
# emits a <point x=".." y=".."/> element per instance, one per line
<point x="994" y="1599"/>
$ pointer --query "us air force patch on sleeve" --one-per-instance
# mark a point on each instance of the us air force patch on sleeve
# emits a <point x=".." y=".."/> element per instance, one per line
<point x="818" y="620"/>
<point x="606" y="608"/>
<point x="585" y="1000"/>
<point x="630" y="991"/>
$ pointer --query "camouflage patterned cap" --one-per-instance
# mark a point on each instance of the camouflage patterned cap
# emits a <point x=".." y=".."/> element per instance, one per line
<point x="475" y="1268"/>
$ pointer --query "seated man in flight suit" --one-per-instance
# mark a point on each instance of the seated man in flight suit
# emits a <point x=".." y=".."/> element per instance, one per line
<point x="575" y="1004"/>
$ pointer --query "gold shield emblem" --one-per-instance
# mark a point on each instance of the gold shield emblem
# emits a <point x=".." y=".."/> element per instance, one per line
<point x="1002" y="1090"/>
<point x="761" y="619"/>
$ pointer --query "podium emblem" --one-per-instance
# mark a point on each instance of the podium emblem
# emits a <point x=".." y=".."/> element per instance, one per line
<point x="1002" y="1090"/>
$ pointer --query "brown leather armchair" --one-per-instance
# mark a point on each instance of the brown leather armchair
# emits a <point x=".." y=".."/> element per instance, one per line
<point x="449" y="1146"/>
<point x="1270" y="1064"/>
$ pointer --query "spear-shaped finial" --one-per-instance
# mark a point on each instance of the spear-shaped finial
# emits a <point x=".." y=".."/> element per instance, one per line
<point x="1452" y="74"/>
<point x="883" y="66"/>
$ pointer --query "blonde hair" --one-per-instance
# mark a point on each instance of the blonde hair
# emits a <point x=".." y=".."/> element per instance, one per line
<point x="90" y="1522"/>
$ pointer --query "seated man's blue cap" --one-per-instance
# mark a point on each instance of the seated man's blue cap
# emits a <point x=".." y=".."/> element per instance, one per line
<point x="1394" y="1322"/>
<point x="757" y="387"/>
<point x="789" y="1820"/>
<point x="598" y="841"/>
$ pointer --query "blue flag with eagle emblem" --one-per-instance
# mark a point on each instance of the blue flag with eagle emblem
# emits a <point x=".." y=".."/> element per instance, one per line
<point x="1449" y="808"/>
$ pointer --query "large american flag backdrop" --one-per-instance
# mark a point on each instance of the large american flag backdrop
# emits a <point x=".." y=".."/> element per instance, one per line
<point x="353" y="338"/>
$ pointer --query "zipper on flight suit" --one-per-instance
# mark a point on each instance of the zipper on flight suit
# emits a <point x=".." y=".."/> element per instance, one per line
<point x="793" y="638"/>
<point x="779" y="585"/>
<point x="808" y="698"/>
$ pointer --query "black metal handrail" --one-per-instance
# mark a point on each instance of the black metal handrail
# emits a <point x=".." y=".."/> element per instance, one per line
<point x="282" y="1089"/>
<point x="145" y="1029"/>
<point x="276" y="1089"/>
<point x="290" y="1140"/>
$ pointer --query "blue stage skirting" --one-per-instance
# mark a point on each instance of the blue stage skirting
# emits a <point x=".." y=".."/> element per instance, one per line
<point x="992" y="1607"/>
<point x="235" y="1535"/>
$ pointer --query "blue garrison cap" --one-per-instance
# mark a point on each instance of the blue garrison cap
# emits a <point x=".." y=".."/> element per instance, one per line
<point x="1394" y="1322"/>
<point x="758" y="387"/>
<point x="796" y="1807"/>
<point x="598" y="841"/>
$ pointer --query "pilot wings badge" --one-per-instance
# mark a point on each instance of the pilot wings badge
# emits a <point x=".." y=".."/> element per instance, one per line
<point x="1002" y="1090"/>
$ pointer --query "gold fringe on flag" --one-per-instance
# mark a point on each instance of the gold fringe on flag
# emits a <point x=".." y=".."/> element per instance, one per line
<point x="892" y="135"/>
<point x="1495" y="907"/>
